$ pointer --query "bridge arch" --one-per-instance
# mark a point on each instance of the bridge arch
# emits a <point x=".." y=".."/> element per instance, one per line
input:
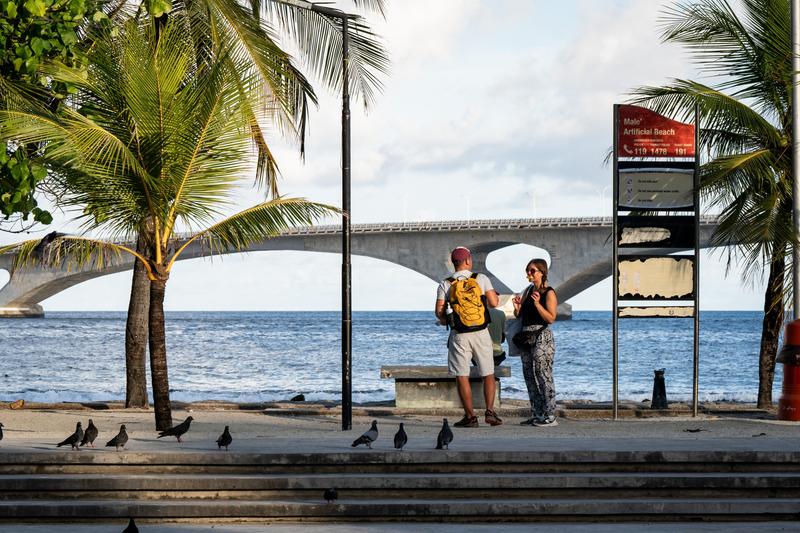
<point x="508" y="263"/>
<point x="228" y="284"/>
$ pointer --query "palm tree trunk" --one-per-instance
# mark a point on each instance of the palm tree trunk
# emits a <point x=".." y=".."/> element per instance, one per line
<point x="158" y="356"/>
<point x="136" y="333"/>
<point x="771" y="329"/>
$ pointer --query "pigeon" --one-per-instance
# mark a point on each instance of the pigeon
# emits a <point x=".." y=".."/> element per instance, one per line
<point x="177" y="431"/>
<point x="74" y="439"/>
<point x="1" y="431"/>
<point x="225" y="439"/>
<point x="400" y="438"/>
<point x="330" y="495"/>
<point x="369" y="437"/>
<point x="120" y="440"/>
<point x="41" y="247"/>
<point x="131" y="527"/>
<point x="90" y="434"/>
<point x="445" y="436"/>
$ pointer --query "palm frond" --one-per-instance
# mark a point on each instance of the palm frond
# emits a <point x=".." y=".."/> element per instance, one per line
<point x="59" y="251"/>
<point x="728" y="124"/>
<point x="318" y="39"/>
<point x="288" y="92"/>
<point x="257" y="223"/>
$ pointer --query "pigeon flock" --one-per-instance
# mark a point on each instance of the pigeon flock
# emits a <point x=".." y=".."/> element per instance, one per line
<point x="443" y="440"/>
<point x="80" y="437"/>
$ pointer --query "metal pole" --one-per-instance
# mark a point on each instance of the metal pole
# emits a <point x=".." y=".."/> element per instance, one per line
<point x="696" y="273"/>
<point x="347" y="321"/>
<point x="796" y="150"/>
<point x="614" y="275"/>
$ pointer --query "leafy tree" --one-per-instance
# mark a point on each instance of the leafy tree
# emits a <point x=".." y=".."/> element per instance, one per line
<point x="32" y="32"/>
<point x="158" y="146"/>
<point x="747" y="133"/>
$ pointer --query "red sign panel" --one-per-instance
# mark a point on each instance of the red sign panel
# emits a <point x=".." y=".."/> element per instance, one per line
<point x="643" y="133"/>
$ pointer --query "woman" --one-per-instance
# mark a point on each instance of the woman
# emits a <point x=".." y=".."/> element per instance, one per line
<point x="536" y="307"/>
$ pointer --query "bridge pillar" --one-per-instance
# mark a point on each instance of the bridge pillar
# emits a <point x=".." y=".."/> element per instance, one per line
<point x="30" y="311"/>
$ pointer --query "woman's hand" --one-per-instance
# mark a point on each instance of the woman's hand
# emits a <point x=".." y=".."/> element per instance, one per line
<point x="536" y="296"/>
<point x="517" y="301"/>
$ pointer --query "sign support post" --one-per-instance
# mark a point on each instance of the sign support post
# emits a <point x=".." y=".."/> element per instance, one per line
<point x="656" y="177"/>
<point x="615" y="275"/>
<point x="696" y="361"/>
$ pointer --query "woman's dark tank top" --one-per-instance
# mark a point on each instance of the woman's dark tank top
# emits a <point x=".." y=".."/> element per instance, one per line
<point x="530" y="315"/>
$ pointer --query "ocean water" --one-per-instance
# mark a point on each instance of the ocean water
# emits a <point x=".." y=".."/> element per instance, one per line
<point x="267" y="356"/>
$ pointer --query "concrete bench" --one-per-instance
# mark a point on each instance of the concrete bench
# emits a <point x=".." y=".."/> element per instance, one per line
<point x="432" y="387"/>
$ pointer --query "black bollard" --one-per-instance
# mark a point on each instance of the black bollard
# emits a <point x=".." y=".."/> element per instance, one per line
<point x="659" y="400"/>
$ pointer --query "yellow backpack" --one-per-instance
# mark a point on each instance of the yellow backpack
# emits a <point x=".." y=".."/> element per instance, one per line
<point x="470" y="312"/>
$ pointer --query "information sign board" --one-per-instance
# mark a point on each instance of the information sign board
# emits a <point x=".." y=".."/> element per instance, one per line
<point x="656" y="188"/>
<point x="657" y="312"/>
<point x="656" y="278"/>
<point x="644" y="133"/>
<point x="655" y="232"/>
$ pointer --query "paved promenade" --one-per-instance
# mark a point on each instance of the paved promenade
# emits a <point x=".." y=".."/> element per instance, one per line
<point x="282" y="431"/>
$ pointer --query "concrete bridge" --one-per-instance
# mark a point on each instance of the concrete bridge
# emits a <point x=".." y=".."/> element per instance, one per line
<point x="580" y="251"/>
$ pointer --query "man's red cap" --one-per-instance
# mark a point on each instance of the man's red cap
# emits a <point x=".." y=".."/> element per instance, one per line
<point x="460" y="254"/>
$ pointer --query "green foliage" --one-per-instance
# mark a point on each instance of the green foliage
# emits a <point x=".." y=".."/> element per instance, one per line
<point x="158" y="8"/>
<point x="31" y="33"/>
<point x="18" y="179"/>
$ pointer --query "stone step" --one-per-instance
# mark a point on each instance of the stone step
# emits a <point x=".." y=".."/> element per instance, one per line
<point x="373" y="461"/>
<point x="35" y="485"/>
<point x="589" y="510"/>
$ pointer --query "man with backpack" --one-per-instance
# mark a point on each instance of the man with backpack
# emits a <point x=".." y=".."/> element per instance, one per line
<point x="462" y="303"/>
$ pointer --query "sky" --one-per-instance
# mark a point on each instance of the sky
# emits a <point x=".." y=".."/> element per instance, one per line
<point x="492" y="109"/>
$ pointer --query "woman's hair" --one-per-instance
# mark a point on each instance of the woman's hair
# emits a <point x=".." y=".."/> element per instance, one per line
<point x="541" y="265"/>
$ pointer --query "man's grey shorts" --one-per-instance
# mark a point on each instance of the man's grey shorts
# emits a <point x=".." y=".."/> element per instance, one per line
<point x="463" y="347"/>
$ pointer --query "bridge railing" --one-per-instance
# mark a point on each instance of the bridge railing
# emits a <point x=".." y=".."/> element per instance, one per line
<point x="469" y="225"/>
<point x="456" y="225"/>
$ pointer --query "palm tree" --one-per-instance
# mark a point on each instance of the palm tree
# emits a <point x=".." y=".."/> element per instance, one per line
<point x="157" y="145"/>
<point x="747" y="133"/>
<point x="250" y="31"/>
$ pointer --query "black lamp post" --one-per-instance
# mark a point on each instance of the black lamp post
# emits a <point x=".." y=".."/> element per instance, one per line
<point x="347" y="319"/>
